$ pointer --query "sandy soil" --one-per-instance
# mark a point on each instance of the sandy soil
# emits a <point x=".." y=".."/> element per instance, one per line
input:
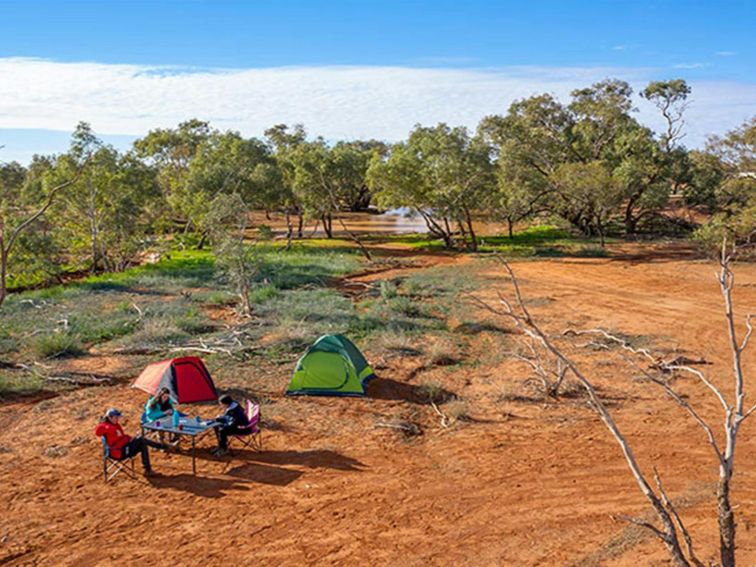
<point x="520" y="484"/>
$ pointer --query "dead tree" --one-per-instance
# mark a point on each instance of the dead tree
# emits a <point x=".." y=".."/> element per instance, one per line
<point x="672" y="528"/>
<point x="549" y="376"/>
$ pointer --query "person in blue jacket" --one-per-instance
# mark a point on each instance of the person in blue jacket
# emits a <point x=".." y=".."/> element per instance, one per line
<point x="159" y="405"/>
<point x="233" y="421"/>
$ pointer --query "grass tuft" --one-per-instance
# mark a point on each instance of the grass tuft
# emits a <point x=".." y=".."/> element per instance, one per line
<point x="59" y="345"/>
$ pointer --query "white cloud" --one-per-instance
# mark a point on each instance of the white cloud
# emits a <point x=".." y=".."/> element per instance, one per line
<point x="335" y="102"/>
<point x="725" y="53"/>
<point x="690" y="65"/>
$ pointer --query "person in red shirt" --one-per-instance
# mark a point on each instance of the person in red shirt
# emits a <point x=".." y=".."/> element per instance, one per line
<point x="123" y="446"/>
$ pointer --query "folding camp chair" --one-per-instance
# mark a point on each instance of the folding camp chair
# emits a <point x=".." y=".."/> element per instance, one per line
<point x="252" y="436"/>
<point x="112" y="466"/>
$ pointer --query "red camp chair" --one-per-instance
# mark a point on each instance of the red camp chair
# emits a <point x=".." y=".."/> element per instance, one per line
<point x="252" y="436"/>
<point x="112" y="466"/>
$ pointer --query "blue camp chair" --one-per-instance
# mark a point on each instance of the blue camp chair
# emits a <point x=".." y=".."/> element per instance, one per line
<point x="112" y="466"/>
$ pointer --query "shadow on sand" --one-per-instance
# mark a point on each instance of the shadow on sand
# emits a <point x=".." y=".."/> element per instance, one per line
<point x="314" y="459"/>
<point x="388" y="389"/>
<point x="266" y="467"/>
<point x="206" y="487"/>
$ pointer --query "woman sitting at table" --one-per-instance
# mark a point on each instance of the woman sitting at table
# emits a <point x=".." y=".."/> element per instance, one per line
<point x="233" y="421"/>
<point x="159" y="405"/>
<point x="123" y="446"/>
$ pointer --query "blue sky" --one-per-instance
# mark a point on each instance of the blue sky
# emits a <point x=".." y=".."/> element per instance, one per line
<point x="350" y="68"/>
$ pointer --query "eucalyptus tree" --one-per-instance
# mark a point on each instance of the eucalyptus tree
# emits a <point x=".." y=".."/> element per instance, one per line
<point x="539" y="136"/>
<point x="284" y="140"/>
<point x="22" y="208"/>
<point x="172" y="151"/>
<point x="313" y="182"/>
<point x="349" y="165"/>
<point x="727" y="171"/>
<point x="237" y="261"/>
<point x="441" y="173"/>
<point x="105" y="213"/>
<point x="227" y="163"/>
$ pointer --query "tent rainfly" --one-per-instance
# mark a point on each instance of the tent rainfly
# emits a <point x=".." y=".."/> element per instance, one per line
<point x="187" y="380"/>
<point x="332" y="366"/>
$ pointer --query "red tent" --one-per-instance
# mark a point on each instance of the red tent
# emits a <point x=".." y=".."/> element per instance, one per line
<point x="187" y="379"/>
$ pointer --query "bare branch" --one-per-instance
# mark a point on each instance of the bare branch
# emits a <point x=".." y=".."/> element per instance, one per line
<point x="624" y="344"/>
<point x="749" y="412"/>
<point x="443" y="416"/>
<point x="640" y="522"/>
<point x="673" y="511"/>
<point x="749" y="332"/>
<point x="528" y="326"/>
<point x="686" y="406"/>
<point x="657" y="362"/>
<point x="702" y="377"/>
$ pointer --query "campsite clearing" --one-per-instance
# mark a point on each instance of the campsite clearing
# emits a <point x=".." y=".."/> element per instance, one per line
<point x="378" y="480"/>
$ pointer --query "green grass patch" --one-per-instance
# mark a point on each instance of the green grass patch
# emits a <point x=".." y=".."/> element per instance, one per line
<point x="59" y="345"/>
<point x="535" y="241"/>
<point x="20" y="384"/>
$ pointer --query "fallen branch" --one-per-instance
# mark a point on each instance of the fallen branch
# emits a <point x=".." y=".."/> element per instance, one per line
<point x="444" y="417"/>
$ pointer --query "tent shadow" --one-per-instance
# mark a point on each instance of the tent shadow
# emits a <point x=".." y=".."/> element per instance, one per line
<point x="206" y="487"/>
<point x="313" y="459"/>
<point x="388" y="389"/>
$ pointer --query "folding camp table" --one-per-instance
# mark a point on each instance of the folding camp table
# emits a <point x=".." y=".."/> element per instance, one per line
<point x="186" y="426"/>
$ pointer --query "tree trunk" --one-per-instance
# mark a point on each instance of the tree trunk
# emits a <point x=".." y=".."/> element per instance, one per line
<point x="201" y="243"/>
<point x="510" y="227"/>
<point x="473" y="236"/>
<point x="267" y="215"/>
<point x="94" y="252"/>
<point x="300" y="225"/>
<point x="462" y="232"/>
<point x="726" y="522"/>
<point x="244" y="297"/>
<point x="3" y="271"/>
<point x="631" y="221"/>
<point x="327" y="225"/>
<point x="289" y="230"/>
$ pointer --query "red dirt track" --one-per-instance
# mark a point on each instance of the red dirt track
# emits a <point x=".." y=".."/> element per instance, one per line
<point x="522" y="484"/>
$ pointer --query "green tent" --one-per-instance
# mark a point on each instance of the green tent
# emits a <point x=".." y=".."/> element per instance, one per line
<point x="332" y="366"/>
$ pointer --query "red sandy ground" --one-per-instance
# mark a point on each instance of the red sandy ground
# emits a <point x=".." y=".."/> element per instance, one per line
<point x="521" y="484"/>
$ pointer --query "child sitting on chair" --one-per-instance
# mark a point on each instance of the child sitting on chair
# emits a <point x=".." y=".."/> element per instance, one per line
<point x="123" y="446"/>
<point x="233" y="421"/>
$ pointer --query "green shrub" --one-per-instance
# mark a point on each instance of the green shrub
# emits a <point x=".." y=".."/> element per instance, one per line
<point x="432" y="392"/>
<point x="214" y="298"/>
<point x="457" y="410"/>
<point x="264" y="232"/>
<point x="156" y="331"/>
<point x="8" y="342"/>
<point x="389" y="289"/>
<point x="396" y="341"/>
<point x="97" y="327"/>
<point x="442" y="352"/>
<point x="263" y="293"/>
<point x="57" y="345"/>
<point x="20" y="384"/>
<point x="194" y="324"/>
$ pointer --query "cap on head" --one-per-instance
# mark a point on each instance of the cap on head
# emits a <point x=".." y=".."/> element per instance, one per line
<point x="113" y="412"/>
<point x="225" y="400"/>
